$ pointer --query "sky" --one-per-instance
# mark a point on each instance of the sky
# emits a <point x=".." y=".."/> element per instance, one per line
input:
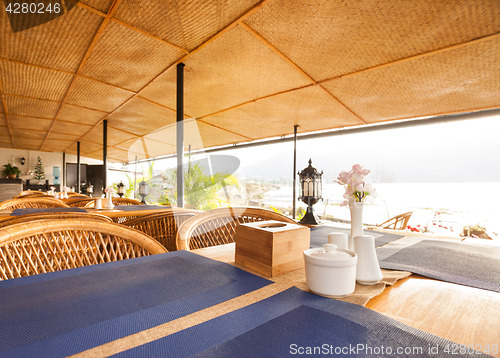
<point x="459" y="151"/>
<point x="463" y="151"/>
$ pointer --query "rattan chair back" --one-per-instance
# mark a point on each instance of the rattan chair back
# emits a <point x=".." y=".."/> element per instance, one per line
<point x="72" y="194"/>
<point x="217" y="227"/>
<point x="30" y="192"/>
<point x="78" y="202"/>
<point x="52" y="245"/>
<point x="162" y="226"/>
<point x="52" y="216"/>
<point x="399" y="222"/>
<point x="32" y="202"/>
<point x="125" y="201"/>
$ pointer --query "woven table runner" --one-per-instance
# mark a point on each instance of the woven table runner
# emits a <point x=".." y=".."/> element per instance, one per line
<point x="297" y="323"/>
<point x="319" y="235"/>
<point x="65" y="312"/>
<point x="452" y="261"/>
<point x="362" y="293"/>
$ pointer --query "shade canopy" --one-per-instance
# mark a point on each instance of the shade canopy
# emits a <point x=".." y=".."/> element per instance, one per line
<point x="254" y="69"/>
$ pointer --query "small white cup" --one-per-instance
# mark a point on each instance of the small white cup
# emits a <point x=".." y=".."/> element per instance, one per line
<point x="98" y="203"/>
<point x="338" y="238"/>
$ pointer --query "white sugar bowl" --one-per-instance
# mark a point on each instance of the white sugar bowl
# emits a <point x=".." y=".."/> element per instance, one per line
<point x="331" y="271"/>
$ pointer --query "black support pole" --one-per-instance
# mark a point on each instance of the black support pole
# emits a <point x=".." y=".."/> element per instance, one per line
<point x="180" y="135"/>
<point x="104" y="154"/>
<point x="77" y="190"/>
<point x="63" y="185"/>
<point x="294" y="168"/>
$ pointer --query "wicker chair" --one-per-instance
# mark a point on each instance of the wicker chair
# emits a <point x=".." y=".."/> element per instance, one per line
<point x="72" y="194"/>
<point x="125" y="201"/>
<point x="163" y="226"/>
<point x="399" y="222"/>
<point x="78" y="202"/>
<point x="32" y="202"/>
<point x="217" y="227"/>
<point x="52" y="216"/>
<point x="47" y="246"/>
<point x="117" y="202"/>
<point x="30" y="192"/>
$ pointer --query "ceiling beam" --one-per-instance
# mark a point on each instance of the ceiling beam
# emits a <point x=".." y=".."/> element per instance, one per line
<point x="96" y="38"/>
<point x="6" y="114"/>
<point x="298" y="69"/>
<point x="218" y="34"/>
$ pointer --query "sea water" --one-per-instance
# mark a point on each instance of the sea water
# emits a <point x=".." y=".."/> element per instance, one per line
<point x="445" y="205"/>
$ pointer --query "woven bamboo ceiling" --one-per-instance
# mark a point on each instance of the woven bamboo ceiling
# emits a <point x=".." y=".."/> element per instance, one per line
<point x="254" y="69"/>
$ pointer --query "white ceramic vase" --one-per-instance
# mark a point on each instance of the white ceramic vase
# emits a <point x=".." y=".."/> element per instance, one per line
<point x="356" y="209"/>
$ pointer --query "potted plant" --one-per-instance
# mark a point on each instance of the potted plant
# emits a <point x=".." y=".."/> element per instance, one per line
<point x="10" y="171"/>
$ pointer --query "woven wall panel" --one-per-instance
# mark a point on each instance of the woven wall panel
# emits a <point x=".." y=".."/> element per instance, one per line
<point x="30" y="143"/>
<point x="127" y="58"/>
<point x="234" y="69"/>
<point x="31" y="107"/>
<point x="101" y="5"/>
<point x="123" y="155"/>
<point x="197" y="134"/>
<point x="57" y="143"/>
<point x="89" y="147"/>
<point x="329" y="38"/>
<point x="97" y="95"/>
<point x="68" y="127"/>
<point x="19" y="133"/>
<point x="29" y="123"/>
<point x="311" y="108"/>
<point x="31" y="81"/>
<point x="114" y="136"/>
<point x="462" y="79"/>
<point x="141" y="117"/>
<point x="5" y="143"/>
<point x="60" y="43"/>
<point x="163" y="89"/>
<point x="184" y="23"/>
<point x="63" y="136"/>
<point x="70" y="113"/>
<point x="156" y="148"/>
<point x="133" y="146"/>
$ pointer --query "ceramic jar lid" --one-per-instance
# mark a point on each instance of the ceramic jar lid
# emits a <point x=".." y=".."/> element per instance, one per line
<point x="331" y="256"/>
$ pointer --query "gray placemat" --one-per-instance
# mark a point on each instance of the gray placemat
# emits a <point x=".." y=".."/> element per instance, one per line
<point x="451" y="261"/>
<point x="319" y="235"/>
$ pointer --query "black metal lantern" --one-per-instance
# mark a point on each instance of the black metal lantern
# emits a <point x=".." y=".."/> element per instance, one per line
<point x="90" y="189"/>
<point x="310" y="192"/>
<point x="142" y="191"/>
<point x="120" y="189"/>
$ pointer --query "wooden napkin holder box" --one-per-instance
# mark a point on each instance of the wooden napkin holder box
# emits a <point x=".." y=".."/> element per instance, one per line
<point x="271" y="247"/>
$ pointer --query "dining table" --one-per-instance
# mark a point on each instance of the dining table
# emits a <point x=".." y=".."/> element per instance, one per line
<point x="200" y="302"/>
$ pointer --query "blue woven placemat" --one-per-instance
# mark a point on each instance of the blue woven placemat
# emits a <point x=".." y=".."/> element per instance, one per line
<point x="18" y="212"/>
<point x="65" y="312"/>
<point x="297" y="323"/>
<point x="319" y="235"/>
<point x="456" y="262"/>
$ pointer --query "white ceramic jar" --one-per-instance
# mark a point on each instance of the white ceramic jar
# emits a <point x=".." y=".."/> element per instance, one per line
<point x="339" y="239"/>
<point x="330" y="271"/>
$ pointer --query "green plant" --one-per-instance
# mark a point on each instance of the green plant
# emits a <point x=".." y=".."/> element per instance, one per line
<point x="200" y="190"/>
<point x="10" y="170"/>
